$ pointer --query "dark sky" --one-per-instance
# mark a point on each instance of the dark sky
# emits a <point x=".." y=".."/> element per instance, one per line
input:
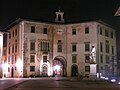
<point x="75" y="10"/>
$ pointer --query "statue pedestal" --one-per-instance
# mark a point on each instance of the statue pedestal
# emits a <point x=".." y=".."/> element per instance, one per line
<point x="93" y="70"/>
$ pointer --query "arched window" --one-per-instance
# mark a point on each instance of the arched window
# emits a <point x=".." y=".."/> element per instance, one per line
<point x="59" y="17"/>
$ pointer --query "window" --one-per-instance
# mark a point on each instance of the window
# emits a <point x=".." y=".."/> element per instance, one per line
<point x="15" y="68"/>
<point x="107" y="48"/>
<point x="74" y="48"/>
<point x="101" y="47"/>
<point x="44" y="58"/>
<point x="8" y="59"/>
<point x="107" y="59"/>
<point x="87" y="68"/>
<point x="16" y="31"/>
<point x="73" y="31"/>
<point x="59" y="17"/>
<point x="106" y="33"/>
<point x="32" y="46"/>
<point x="8" y="69"/>
<point x="74" y="58"/>
<point x="101" y="67"/>
<point x="32" y="68"/>
<point x="13" y="33"/>
<point x="87" y="46"/>
<point x="4" y="52"/>
<point x="86" y="30"/>
<point x="9" y="35"/>
<point x="87" y="58"/>
<point x="111" y="34"/>
<point x="16" y="47"/>
<point x="13" y="48"/>
<point x="9" y="50"/>
<point x="12" y="59"/>
<point x="44" y="45"/>
<point x="15" y="58"/>
<point x="59" y="48"/>
<point x="44" y="30"/>
<point x="101" y="58"/>
<point x="32" y="58"/>
<point x="112" y="49"/>
<point x="59" y="41"/>
<point x="100" y="30"/>
<point x="32" y="29"/>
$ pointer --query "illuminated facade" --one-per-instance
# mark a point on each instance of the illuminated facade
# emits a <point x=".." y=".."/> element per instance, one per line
<point x="49" y="49"/>
<point x="1" y="48"/>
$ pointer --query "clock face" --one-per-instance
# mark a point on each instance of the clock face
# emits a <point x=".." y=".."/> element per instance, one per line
<point x="59" y="31"/>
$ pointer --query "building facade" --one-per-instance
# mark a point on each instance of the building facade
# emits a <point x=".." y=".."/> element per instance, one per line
<point x="63" y="49"/>
<point x="1" y="49"/>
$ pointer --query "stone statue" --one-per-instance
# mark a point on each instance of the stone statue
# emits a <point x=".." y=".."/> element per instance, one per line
<point x="93" y="55"/>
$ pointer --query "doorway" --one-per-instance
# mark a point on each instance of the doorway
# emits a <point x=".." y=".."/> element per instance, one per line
<point x="12" y="72"/>
<point x="74" y="71"/>
<point x="45" y="71"/>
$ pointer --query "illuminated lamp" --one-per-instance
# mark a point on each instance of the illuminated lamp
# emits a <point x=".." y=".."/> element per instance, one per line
<point x="56" y="67"/>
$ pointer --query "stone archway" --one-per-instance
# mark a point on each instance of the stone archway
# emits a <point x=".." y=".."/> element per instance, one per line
<point x="74" y="70"/>
<point x="44" y="70"/>
<point x="59" y="66"/>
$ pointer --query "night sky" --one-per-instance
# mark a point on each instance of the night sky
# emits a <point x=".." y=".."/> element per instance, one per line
<point x="44" y="10"/>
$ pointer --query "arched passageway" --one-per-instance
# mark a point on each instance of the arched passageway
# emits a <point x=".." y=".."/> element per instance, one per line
<point x="59" y="66"/>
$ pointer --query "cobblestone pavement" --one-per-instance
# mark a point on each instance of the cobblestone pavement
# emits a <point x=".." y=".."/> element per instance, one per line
<point x="62" y="84"/>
